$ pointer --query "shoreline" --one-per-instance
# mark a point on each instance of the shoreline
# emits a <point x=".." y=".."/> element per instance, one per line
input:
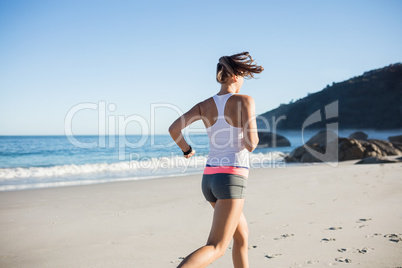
<point x="155" y="222"/>
<point x="272" y="165"/>
<point x="68" y="175"/>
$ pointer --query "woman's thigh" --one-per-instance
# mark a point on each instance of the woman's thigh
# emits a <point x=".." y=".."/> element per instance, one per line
<point x="226" y="218"/>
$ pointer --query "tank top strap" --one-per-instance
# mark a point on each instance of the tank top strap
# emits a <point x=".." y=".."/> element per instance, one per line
<point x="220" y="102"/>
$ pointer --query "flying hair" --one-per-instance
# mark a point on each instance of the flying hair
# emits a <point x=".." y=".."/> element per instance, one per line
<point x="241" y="64"/>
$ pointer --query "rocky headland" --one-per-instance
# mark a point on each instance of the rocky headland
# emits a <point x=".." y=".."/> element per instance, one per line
<point x="328" y="146"/>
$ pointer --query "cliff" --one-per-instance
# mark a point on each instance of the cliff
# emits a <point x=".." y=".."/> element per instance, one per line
<point x="370" y="101"/>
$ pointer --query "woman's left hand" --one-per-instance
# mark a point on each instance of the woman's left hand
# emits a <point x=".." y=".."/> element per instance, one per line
<point x="190" y="154"/>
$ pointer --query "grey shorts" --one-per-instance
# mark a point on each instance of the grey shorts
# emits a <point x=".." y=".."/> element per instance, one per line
<point x="223" y="186"/>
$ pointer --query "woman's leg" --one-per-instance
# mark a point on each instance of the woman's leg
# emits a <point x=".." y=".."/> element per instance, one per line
<point x="240" y="243"/>
<point x="226" y="218"/>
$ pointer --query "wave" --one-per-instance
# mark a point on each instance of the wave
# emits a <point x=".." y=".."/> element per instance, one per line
<point x="15" y="178"/>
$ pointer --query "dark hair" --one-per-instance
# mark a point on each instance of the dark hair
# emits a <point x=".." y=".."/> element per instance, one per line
<point x="241" y="64"/>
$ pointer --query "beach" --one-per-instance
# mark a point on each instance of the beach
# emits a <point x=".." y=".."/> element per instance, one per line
<point x="301" y="215"/>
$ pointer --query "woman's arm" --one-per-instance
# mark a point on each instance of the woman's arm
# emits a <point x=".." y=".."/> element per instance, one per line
<point x="182" y="122"/>
<point x="249" y="124"/>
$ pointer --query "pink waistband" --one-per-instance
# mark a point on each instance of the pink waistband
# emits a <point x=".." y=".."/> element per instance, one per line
<point x="226" y="169"/>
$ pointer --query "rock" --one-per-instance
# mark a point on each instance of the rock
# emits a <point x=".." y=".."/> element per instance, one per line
<point x="304" y="154"/>
<point x="298" y="152"/>
<point x="397" y="145"/>
<point x="375" y="160"/>
<point x="358" y="135"/>
<point x="385" y="146"/>
<point x="350" y="149"/>
<point x="323" y="137"/>
<point x="290" y="159"/>
<point x="397" y="138"/>
<point x="270" y="139"/>
<point x="342" y="149"/>
<point x="371" y="150"/>
<point x="307" y="157"/>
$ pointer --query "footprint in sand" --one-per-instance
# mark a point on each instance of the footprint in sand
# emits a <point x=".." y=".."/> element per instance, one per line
<point x="363" y="250"/>
<point x="363" y="220"/>
<point x="283" y="236"/>
<point x="373" y="235"/>
<point x="334" y="228"/>
<point x="179" y="260"/>
<point x="394" y="237"/>
<point x="356" y="250"/>
<point x="271" y="256"/>
<point x="327" y="239"/>
<point x="340" y="259"/>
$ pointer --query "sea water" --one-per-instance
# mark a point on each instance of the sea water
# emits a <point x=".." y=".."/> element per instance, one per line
<point x="28" y="162"/>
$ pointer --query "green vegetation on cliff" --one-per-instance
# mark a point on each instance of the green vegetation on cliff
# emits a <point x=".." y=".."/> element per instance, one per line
<point x="370" y="101"/>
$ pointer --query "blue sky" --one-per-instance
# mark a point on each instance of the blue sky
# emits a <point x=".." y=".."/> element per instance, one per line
<point x="55" y="55"/>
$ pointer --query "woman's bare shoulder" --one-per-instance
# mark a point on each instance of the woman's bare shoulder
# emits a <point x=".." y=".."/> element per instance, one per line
<point x="205" y="106"/>
<point x="206" y="102"/>
<point x="243" y="98"/>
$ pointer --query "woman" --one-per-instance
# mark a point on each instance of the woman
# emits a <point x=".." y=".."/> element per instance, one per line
<point x="230" y="122"/>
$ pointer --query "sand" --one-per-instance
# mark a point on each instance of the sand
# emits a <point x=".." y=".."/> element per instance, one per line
<point x="308" y="215"/>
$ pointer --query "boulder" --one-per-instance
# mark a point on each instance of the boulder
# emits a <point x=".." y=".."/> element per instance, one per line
<point x="397" y="138"/>
<point x="358" y="135"/>
<point x="350" y="149"/>
<point x="289" y="159"/>
<point x="307" y="157"/>
<point x="397" y="145"/>
<point x="270" y="139"/>
<point x="375" y="160"/>
<point x="371" y="150"/>
<point x="295" y="155"/>
<point x="385" y="146"/>
<point x="298" y="152"/>
<point x="343" y="149"/>
<point x="305" y="153"/>
<point x="323" y="137"/>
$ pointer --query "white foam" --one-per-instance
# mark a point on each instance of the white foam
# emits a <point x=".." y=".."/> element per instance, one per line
<point x="153" y="165"/>
<point x="64" y="175"/>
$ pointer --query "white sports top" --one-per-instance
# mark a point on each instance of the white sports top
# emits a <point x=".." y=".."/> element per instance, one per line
<point x="226" y="143"/>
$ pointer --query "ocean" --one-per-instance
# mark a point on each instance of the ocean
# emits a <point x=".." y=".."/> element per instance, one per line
<point x="28" y="162"/>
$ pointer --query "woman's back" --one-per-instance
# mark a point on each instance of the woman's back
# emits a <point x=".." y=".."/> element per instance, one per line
<point x="223" y="121"/>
